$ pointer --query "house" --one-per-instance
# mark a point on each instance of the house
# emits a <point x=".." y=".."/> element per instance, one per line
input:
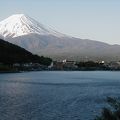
<point x="64" y="65"/>
<point x="58" y="65"/>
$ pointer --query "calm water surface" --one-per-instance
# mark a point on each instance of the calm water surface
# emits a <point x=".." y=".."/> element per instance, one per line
<point x="56" y="95"/>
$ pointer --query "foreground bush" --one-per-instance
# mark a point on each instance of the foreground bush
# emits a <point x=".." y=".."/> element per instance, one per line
<point x="111" y="113"/>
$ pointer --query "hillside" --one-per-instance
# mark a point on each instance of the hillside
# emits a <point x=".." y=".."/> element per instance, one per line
<point x="10" y="53"/>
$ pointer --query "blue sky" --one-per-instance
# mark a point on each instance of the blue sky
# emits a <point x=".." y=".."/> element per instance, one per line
<point x="89" y="19"/>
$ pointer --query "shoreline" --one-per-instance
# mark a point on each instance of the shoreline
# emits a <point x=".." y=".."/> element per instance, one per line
<point x="2" y="72"/>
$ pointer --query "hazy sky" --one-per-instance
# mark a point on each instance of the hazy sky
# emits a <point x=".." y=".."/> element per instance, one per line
<point x="88" y="19"/>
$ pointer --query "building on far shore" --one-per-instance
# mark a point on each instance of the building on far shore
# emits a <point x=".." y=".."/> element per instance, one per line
<point x="64" y="65"/>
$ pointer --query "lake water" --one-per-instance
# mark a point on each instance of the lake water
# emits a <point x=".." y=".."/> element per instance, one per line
<point x="56" y="95"/>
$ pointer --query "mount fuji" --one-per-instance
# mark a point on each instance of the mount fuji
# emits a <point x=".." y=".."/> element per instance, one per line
<point x="20" y="24"/>
<point x="26" y="32"/>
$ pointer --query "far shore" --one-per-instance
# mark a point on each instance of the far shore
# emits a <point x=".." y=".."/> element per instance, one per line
<point x="2" y="72"/>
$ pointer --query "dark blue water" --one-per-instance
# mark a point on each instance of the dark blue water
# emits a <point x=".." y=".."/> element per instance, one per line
<point x="56" y="95"/>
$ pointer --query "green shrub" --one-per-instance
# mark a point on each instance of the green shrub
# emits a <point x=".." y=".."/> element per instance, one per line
<point x="112" y="113"/>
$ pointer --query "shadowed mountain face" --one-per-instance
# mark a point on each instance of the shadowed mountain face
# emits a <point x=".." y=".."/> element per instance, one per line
<point x="10" y="53"/>
<point x="41" y="40"/>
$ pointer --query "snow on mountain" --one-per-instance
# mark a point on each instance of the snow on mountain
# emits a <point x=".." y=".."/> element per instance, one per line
<point x="20" y="24"/>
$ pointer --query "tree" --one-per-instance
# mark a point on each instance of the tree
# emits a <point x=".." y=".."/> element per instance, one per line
<point x="112" y="113"/>
<point x="10" y="54"/>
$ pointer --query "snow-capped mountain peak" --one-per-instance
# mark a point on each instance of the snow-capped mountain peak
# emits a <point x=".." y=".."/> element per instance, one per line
<point x="20" y="24"/>
<point x="26" y="32"/>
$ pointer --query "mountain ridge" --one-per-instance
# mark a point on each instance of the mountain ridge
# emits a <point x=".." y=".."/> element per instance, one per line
<point x="20" y="24"/>
<point x="10" y="54"/>
<point x="46" y="41"/>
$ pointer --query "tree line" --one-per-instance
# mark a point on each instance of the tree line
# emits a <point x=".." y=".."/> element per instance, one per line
<point x="10" y="54"/>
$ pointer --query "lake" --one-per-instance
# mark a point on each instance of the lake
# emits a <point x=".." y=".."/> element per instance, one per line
<point x="56" y="95"/>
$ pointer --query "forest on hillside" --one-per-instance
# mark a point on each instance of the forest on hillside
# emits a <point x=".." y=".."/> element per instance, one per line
<point x="10" y="54"/>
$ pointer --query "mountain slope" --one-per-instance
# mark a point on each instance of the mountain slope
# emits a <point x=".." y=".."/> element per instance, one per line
<point x="20" y="24"/>
<point x="70" y="48"/>
<point x="35" y="37"/>
<point x="10" y="53"/>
